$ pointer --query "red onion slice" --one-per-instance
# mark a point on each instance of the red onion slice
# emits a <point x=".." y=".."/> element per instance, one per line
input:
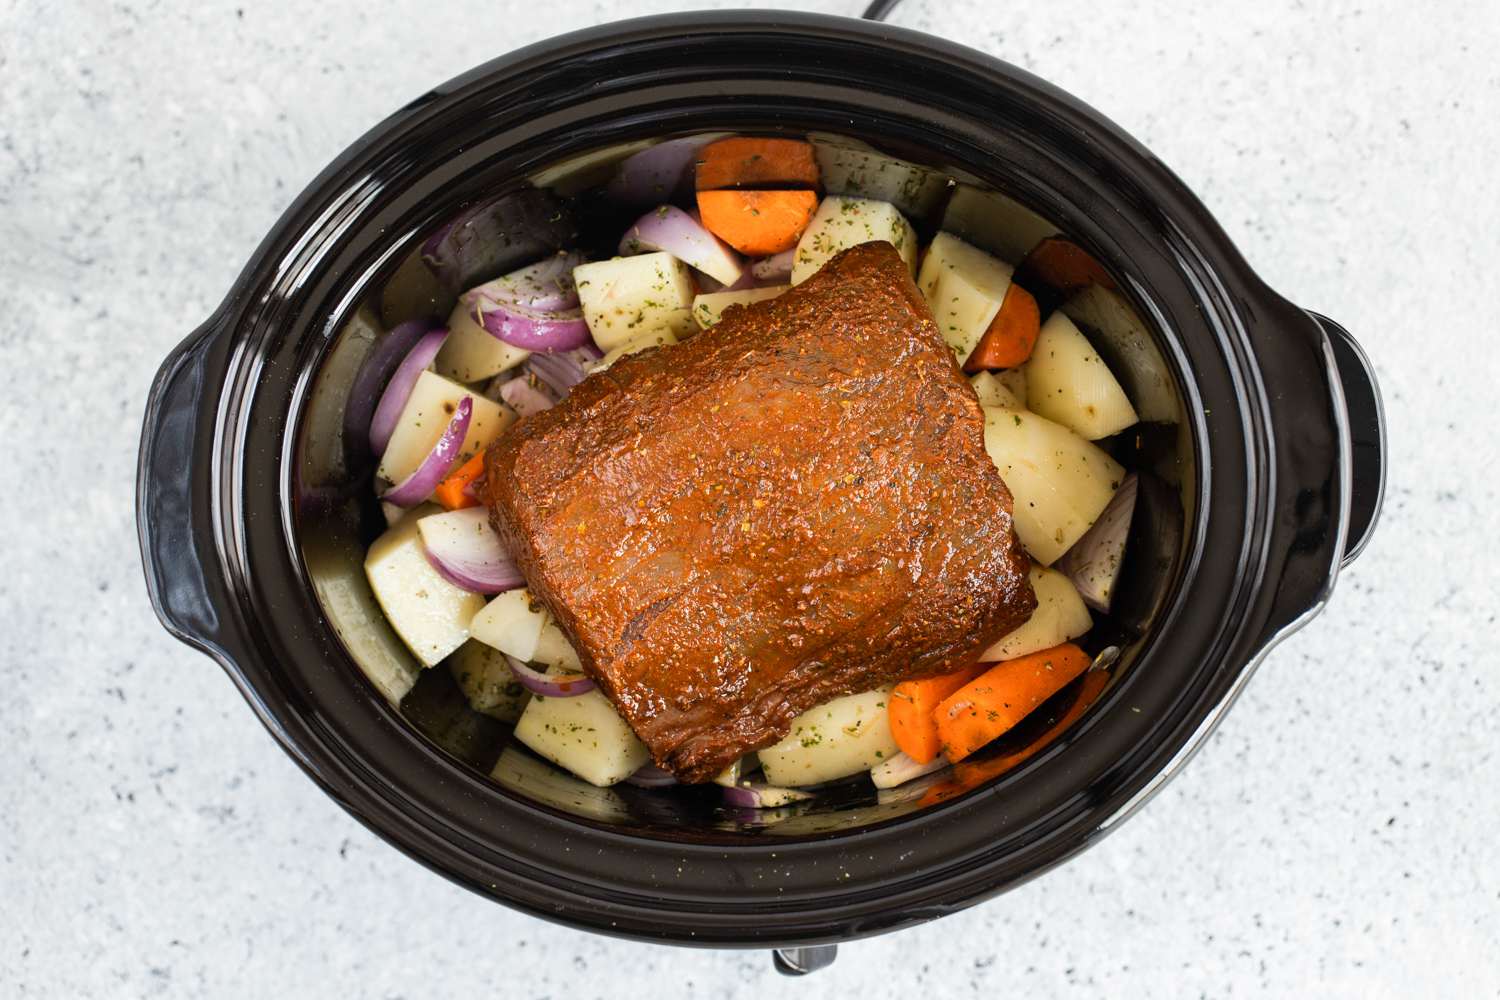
<point x="425" y="477"/>
<point x="901" y="768"/>
<point x="546" y="286"/>
<point x="525" y="398"/>
<point x="549" y="685"/>
<point x="755" y="795"/>
<point x="651" y="776"/>
<point x="671" y="229"/>
<point x="1094" y="561"/>
<point x="657" y="173"/>
<point x="398" y="389"/>
<point x="561" y="372"/>
<point x="774" y="270"/>
<point x="529" y="329"/>
<point x="465" y="550"/>
<point x="369" y="384"/>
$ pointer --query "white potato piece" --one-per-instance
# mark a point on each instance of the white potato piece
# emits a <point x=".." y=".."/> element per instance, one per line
<point x="1069" y="383"/>
<point x="430" y="614"/>
<point x="838" y="738"/>
<point x="964" y="287"/>
<point x="582" y="734"/>
<point x="841" y="223"/>
<point x="709" y="307"/>
<point x="488" y="682"/>
<point x="1013" y="379"/>
<point x="996" y="222"/>
<point x="471" y="352"/>
<point x="994" y="393"/>
<point x="553" y="650"/>
<point x="1060" y="615"/>
<point x="586" y="170"/>
<point x="854" y="169"/>
<point x="660" y="338"/>
<point x="424" y="418"/>
<point x="626" y="298"/>
<point x="1060" y="482"/>
<point x="511" y="623"/>
<point x="1123" y="339"/>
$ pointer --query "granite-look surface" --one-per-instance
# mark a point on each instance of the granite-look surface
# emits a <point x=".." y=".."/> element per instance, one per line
<point x="1335" y="838"/>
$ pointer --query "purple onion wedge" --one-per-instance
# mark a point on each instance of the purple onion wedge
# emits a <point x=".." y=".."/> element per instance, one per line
<point x="549" y="685"/>
<point x="755" y="795"/>
<point x="546" y="285"/>
<point x="424" y="479"/>
<point x="541" y="330"/>
<point x="561" y="372"/>
<point x="669" y="228"/>
<point x="1094" y="561"/>
<point x="658" y="173"/>
<point x="369" y="384"/>
<point x="398" y="389"/>
<point x="774" y="270"/>
<point x="651" y="776"/>
<point x="901" y="768"/>
<point x="523" y="397"/>
<point x="465" y="550"/>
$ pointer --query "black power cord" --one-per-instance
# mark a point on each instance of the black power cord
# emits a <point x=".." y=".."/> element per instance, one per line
<point x="879" y="10"/>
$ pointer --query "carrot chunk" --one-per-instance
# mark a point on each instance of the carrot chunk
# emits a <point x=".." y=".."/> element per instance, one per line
<point x="748" y="161"/>
<point x="912" y="704"/>
<point x="450" y="492"/>
<point x="757" y="223"/>
<point x="970" y="775"/>
<point x="1011" y="335"/>
<point x="1002" y="696"/>
<point x="1063" y="265"/>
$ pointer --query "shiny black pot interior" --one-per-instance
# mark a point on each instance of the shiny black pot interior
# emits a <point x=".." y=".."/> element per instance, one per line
<point x="255" y="554"/>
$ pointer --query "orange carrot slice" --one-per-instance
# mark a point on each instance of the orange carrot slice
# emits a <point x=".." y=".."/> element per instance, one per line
<point x="1002" y="696"/>
<point x="450" y="492"/>
<point x="1011" y="335"/>
<point x="1063" y="265"/>
<point x="757" y="223"/>
<point x="911" y="706"/>
<point x="749" y="161"/>
<point x="969" y="775"/>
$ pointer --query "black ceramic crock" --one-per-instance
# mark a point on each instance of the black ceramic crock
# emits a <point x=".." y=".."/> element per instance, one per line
<point x="1281" y="428"/>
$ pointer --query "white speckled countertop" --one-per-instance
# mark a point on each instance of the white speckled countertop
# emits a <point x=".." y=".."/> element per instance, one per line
<point x="1335" y="838"/>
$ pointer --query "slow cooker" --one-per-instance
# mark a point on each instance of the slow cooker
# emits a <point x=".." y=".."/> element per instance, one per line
<point x="252" y="541"/>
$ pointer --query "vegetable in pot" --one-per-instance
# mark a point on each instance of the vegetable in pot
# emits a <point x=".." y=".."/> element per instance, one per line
<point x="709" y="307"/>
<point x="1093" y="563"/>
<point x="841" y="737"/>
<point x="669" y="229"/>
<point x="841" y="223"/>
<point x="432" y="403"/>
<point x="1060" y="482"/>
<point x="965" y="288"/>
<point x="1060" y="615"/>
<point x="584" y="735"/>
<point x="486" y="680"/>
<point x="631" y="298"/>
<point x="988" y="706"/>
<point x="511" y="623"/>
<point x="430" y="614"/>
<point x="1068" y="382"/>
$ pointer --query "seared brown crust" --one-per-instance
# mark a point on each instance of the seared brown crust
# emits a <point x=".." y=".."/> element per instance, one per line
<point x="791" y="506"/>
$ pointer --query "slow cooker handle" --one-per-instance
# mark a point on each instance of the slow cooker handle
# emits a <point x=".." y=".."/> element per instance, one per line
<point x="1329" y="446"/>
<point x="169" y="496"/>
<point x="1366" y="433"/>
